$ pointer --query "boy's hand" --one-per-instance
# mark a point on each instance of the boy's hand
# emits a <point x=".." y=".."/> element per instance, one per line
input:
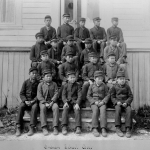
<point x="124" y="105"/>
<point x="64" y="43"/>
<point x="96" y="103"/>
<point x="76" y="107"/>
<point x="113" y="82"/>
<point x="118" y="44"/>
<point x="90" y="82"/>
<point x="119" y="103"/>
<point x="51" y="104"/>
<point x="66" y="105"/>
<point x="110" y="81"/>
<point x="100" y="104"/>
<point x="99" y="41"/>
<point x="47" y="105"/>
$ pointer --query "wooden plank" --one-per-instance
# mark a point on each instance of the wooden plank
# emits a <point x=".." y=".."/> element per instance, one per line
<point x="36" y="11"/>
<point x="137" y="39"/>
<point x="127" y="5"/>
<point x="137" y="23"/>
<point x="39" y="1"/>
<point x="33" y="22"/>
<point x="36" y="5"/>
<point x="130" y="17"/>
<point x="16" y="43"/>
<point x="5" y="79"/>
<point x="27" y="65"/>
<point x="18" y="38"/>
<point x="39" y="16"/>
<point x="125" y="11"/>
<point x="141" y="33"/>
<point x="10" y="79"/>
<point x="138" y="45"/>
<point x="1" y="77"/>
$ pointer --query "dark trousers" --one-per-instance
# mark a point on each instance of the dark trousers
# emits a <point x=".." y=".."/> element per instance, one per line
<point x="99" y="111"/>
<point x="99" y="47"/>
<point x="34" y="111"/>
<point x="66" y="110"/>
<point x="43" y="115"/>
<point x="128" y="116"/>
<point x="85" y="88"/>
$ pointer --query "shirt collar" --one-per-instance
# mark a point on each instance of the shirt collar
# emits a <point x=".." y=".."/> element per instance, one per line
<point x="48" y="28"/>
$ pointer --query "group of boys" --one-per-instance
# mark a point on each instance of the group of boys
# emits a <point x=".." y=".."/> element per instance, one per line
<point x="64" y="60"/>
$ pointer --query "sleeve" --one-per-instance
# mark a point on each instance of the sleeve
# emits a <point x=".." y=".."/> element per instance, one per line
<point x="64" y="94"/>
<point x="113" y="95"/>
<point x="88" y="33"/>
<point x="59" y="33"/>
<point x="105" y="72"/>
<point x="120" y="54"/>
<point x="91" y="34"/>
<point x="105" y="53"/>
<point x="107" y="95"/>
<point x="82" y="58"/>
<point x="39" y="69"/>
<point x="108" y="34"/>
<point x="130" y="96"/>
<point x="76" y="35"/>
<point x="90" y="95"/>
<point x="62" y="72"/>
<point x="121" y="39"/>
<point x="40" y="96"/>
<point x="85" y="74"/>
<point x="72" y="32"/>
<point x="54" y="98"/>
<point x="32" y="54"/>
<point x="50" y="56"/>
<point x="79" y="95"/>
<point x="23" y="92"/>
<point x="104" y="35"/>
<point x="54" y="34"/>
<point x="63" y="54"/>
<point x="53" y="70"/>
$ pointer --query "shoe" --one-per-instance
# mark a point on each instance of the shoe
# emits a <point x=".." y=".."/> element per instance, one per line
<point x="45" y="131"/>
<point x="18" y="131"/>
<point x="95" y="132"/>
<point x="64" y="130"/>
<point x="31" y="131"/>
<point x="104" y="132"/>
<point x="119" y="132"/>
<point x="55" y="131"/>
<point x="78" y="130"/>
<point x="128" y="132"/>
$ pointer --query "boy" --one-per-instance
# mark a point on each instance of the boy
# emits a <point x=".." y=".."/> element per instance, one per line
<point x="36" y="49"/>
<point x="48" y="31"/>
<point x="71" y="97"/>
<point x="46" y="64"/>
<point x="110" y="69"/>
<point x="122" y="98"/>
<point x="80" y="34"/>
<point x="28" y="95"/>
<point x="47" y="95"/>
<point x="114" y="30"/>
<point x="98" y="97"/>
<point x="98" y="35"/>
<point x="63" y="31"/>
<point x="88" y="74"/>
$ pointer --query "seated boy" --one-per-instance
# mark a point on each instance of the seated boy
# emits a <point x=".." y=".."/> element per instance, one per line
<point x="48" y="31"/>
<point x="71" y="97"/>
<point x="80" y="34"/>
<point x="88" y="74"/>
<point x="36" y="49"/>
<point x="98" y="97"/>
<point x="122" y="98"/>
<point x="28" y="95"/>
<point x="47" y="95"/>
<point x="46" y="64"/>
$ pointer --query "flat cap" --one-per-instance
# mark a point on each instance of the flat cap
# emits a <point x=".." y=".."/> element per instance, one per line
<point x="43" y="52"/>
<point x="121" y="73"/>
<point x="54" y="40"/>
<point x="114" y="19"/>
<point x="111" y="53"/>
<point x="32" y="69"/>
<point x="88" y="40"/>
<point x="96" y="18"/>
<point x="113" y="37"/>
<point x="48" y="16"/>
<point x="46" y="71"/>
<point x="69" y="53"/>
<point x="70" y="38"/>
<point x="82" y="19"/>
<point x="98" y="74"/>
<point x="92" y="54"/>
<point x="39" y="34"/>
<point x="66" y="15"/>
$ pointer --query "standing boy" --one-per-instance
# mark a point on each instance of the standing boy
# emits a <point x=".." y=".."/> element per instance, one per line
<point x="47" y="95"/>
<point x="71" y="97"/>
<point x="28" y="95"/>
<point x="98" y="97"/>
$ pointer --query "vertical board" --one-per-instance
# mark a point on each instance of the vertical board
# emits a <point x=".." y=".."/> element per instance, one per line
<point x="1" y="76"/>
<point x="27" y="65"/>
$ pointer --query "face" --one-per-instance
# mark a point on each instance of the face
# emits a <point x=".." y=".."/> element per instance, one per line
<point x="44" y="57"/>
<point x="88" y="45"/>
<point x="113" y="42"/>
<point x="93" y="60"/>
<point x="72" y="78"/>
<point x="70" y="42"/>
<point x="99" y="80"/>
<point x="33" y="75"/>
<point x="54" y="44"/>
<point x="69" y="58"/>
<point x="121" y="80"/>
<point x="111" y="59"/>
<point x="66" y="19"/>
<point x="82" y="23"/>
<point x="48" y="78"/>
<point x="40" y="39"/>
<point x="48" y="22"/>
<point x="115" y="23"/>
<point x="97" y="22"/>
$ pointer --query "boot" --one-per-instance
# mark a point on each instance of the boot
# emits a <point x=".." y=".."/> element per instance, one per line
<point x="31" y="131"/>
<point x="119" y="132"/>
<point x="78" y="130"/>
<point x="95" y="132"/>
<point x="64" y="130"/>
<point x="18" y="131"/>
<point x="104" y="132"/>
<point x="128" y="132"/>
<point x="45" y="131"/>
<point x="55" y="131"/>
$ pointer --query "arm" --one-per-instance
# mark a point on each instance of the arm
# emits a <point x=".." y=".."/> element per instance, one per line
<point x="54" y="34"/>
<point x="113" y="95"/>
<point x="92" y="35"/>
<point x="64" y="94"/>
<point x="23" y="92"/>
<point x="104" y="35"/>
<point x="59" y="33"/>
<point x="54" y="98"/>
<point x="90" y="95"/>
<point x="32" y="54"/>
<point x="76" y="35"/>
<point x="108" y="34"/>
<point x="50" y="56"/>
<point x="63" y="54"/>
<point x="130" y="96"/>
<point x="85" y="74"/>
<point x="62" y="73"/>
<point x="79" y="99"/>
<point x="40" y="94"/>
<point x="121" y="39"/>
<point x="107" y="95"/>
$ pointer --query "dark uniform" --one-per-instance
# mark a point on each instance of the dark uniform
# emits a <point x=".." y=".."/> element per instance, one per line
<point x="35" y="51"/>
<point x="98" y="33"/>
<point x="47" y="93"/>
<point x="98" y="93"/>
<point x="80" y="34"/>
<point x="72" y="95"/>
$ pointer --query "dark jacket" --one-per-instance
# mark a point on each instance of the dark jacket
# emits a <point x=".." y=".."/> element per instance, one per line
<point x="48" y="34"/>
<point x="35" y="52"/>
<point x="29" y="91"/>
<point x="81" y="33"/>
<point x="89" y="69"/>
<point x="98" y="33"/>
<point x="44" y="89"/>
<point x="72" y="93"/>
<point x="98" y="93"/>
<point x="121" y="94"/>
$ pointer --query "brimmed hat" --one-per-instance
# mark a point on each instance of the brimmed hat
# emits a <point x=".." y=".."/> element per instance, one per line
<point x="39" y="34"/>
<point x="43" y="52"/>
<point x="46" y="71"/>
<point x="121" y="73"/>
<point x="98" y="74"/>
<point x="32" y="69"/>
<point x="96" y="18"/>
<point x="88" y="40"/>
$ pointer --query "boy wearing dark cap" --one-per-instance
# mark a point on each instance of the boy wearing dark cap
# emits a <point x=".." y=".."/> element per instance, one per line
<point x="46" y="64"/>
<point x="122" y="97"/>
<point x="88" y="74"/>
<point x="71" y="97"/>
<point x="114" y="30"/>
<point x="36" y="49"/>
<point x="80" y="34"/>
<point x="47" y="95"/>
<point x="63" y="31"/>
<point x="98" y="97"/>
<point x="48" y="31"/>
<point x="98" y="35"/>
<point x="28" y="95"/>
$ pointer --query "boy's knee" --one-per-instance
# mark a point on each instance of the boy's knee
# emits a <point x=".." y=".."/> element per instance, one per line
<point x="42" y="107"/>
